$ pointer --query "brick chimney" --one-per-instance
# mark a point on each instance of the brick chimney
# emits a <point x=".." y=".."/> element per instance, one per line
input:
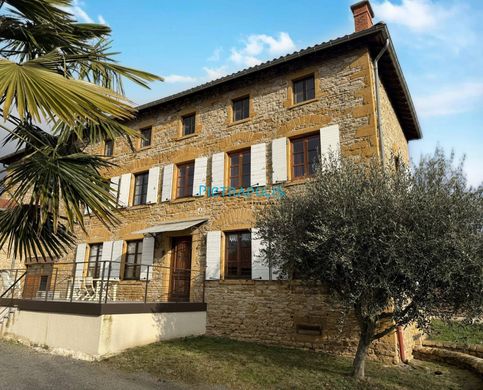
<point x="363" y="15"/>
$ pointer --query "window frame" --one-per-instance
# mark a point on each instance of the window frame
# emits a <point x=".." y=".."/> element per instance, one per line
<point x="241" y="153"/>
<point x="239" y="261"/>
<point x="305" y="138"/>
<point x="142" y="141"/>
<point x="144" y="188"/>
<point x="240" y="99"/>
<point x="108" y="148"/>
<point x="304" y="89"/>
<point x="137" y="264"/>
<point x="97" y="262"/>
<point x="182" y="168"/>
<point x="193" y="124"/>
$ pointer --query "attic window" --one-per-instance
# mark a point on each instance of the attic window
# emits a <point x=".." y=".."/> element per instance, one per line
<point x="309" y="329"/>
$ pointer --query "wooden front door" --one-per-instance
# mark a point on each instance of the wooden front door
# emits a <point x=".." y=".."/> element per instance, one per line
<point x="179" y="290"/>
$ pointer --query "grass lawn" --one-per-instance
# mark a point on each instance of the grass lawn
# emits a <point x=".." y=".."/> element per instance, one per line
<point x="456" y="332"/>
<point x="205" y="361"/>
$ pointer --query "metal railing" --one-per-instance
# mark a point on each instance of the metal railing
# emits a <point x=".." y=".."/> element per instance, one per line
<point x="103" y="282"/>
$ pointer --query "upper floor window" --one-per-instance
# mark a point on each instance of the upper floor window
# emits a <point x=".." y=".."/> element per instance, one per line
<point x="189" y="122"/>
<point x="95" y="256"/>
<point x="140" y="188"/>
<point x="146" y="137"/>
<point x="304" y="89"/>
<point x="240" y="168"/>
<point x="241" y="108"/>
<point x="305" y="155"/>
<point x="238" y="256"/>
<point x="108" y="147"/>
<point x="184" y="187"/>
<point x="132" y="265"/>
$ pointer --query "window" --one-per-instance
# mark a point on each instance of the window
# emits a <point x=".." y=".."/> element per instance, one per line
<point x="146" y="137"/>
<point x="108" y="147"/>
<point x="189" y="124"/>
<point x="132" y="266"/>
<point x="140" y="188"/>
<point x="241" y="108"/>
<point x="305" y="155"/>
<point x="240" y="169"/>
<point x="95" y="256"/>
<point x="184" y="187"/>
<point x="303" y="89"/>
<point x="44" y="280"/>
<point x="238" y="256"/>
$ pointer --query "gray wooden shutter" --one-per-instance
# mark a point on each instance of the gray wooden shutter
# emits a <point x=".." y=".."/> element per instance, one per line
<point x="167" y="183"/>
<point x="217" y="172"/>
<point x="153" y="185"/>
<point x="80" y="258"/>
<point x="260" y="269"/>
<point x="329" y="141"/>
<point x="147" y="258"/>
<point x="258" y="165"/>
<point x="279" y="160"/>
<point x="124" y="190"/>
<point x="116" y="259"/>
<point x="213" y="255"/>
<point x="199" y="179"/>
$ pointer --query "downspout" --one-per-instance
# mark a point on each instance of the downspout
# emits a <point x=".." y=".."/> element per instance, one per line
<point x="378" y="102"/>
<point x="400" y="340"/>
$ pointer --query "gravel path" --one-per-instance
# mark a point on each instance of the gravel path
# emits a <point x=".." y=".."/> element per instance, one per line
<point x="25" y="368"/>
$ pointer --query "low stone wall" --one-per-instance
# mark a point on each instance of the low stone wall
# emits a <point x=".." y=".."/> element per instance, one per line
<point x="289" y="314"/>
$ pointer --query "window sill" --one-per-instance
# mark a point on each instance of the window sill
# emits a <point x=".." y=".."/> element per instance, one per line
<point x="296" y="182"/>
<point x="184" y="200"/>
<point x="241" y="121"/>
<point x="138" y="206"/>
<point x="145" y="148"/>
<point x="235" y="281"/>
<point x="302" y="103"/>
<point x="183" y="137"/>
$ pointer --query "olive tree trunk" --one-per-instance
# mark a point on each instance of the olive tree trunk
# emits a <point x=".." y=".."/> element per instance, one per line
<point x="367" y="327"/>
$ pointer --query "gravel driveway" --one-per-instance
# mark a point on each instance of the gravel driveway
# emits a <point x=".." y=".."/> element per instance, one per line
<point x="25" y="368"/>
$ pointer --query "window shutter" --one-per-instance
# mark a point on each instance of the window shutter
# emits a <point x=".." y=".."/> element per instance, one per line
<point x="218" y="171"/>
<point x="258" y="165"/>
<point x="260" y="269"/>
<point x="153" y="185"/>
<point x="80" y="258"/>
<point x="199" y="179"/>
<point x="279" y="160"/>
<point x="167" y="182"/>
<point x="213" y="255"/>
<point x="114" y="190"/>
<point x="147" y="258"/>
<point x="329" y="141"/>
<point x="87" y="210"/>
<point x="116" y="258"/>
<point x="124" y="189"/>
<point x="106" y="258"/>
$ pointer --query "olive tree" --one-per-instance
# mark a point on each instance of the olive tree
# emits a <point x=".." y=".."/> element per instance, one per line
<point x="396" y="245"/>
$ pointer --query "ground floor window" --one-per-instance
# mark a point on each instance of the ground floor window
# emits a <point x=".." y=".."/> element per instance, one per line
<point x="238" y="256"/>
<point x="95" y="256"/>
<point x="132" y="266"/>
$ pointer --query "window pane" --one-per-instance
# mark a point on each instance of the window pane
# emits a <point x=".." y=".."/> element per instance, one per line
<point x="108" y="147"/>
<point x="140" y="188"/>
<point x="304" y="89"/>
<point x="145" y="137"/>
<point x="238" y="255"/>
<point x="241" y="109"/>
<point x="189" y="124"/>
<point x="185" y="180"/>
<point x="310" y="88"/>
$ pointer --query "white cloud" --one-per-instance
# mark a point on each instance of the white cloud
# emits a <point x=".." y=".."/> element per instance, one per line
<point x="215" y="73"/>
<point x="453" y="99"/>
<point x="257" y="47"/>
<point x="77" y="10"/>
<point x="102" y="20"/>
<point x="176" y="78"/>
<point x="216" y="55"/>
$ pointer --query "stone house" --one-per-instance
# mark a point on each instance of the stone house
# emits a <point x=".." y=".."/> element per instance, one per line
<point x="211" y="157"/>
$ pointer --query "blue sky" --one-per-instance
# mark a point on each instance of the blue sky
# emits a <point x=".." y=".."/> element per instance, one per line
<point x="192" y="41"/>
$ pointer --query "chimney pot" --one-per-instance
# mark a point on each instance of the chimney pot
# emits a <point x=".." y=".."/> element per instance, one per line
<point x="363" y="15"/>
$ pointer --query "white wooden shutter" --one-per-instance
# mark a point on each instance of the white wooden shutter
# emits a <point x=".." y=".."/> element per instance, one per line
<point x="329" y="141"/>
<point x="106" y="257"/>
<point x="124" y="189"/>
<point x="199" y="179"/>
<point x="114" y="190"/>
<point x="80" y="258"/>
<point x="218" y="172"/>
<point x="260" y="269"/>
<point x="258" y="165"/>
<point x="213" y="255"/>
<point x="116" y="259"/>
<point x="279" y="160"/>
<point x="167" y="183"/>
<point x="87" y="210"/>
<point x="147" y="258"/>
<point x="153" y="185"/>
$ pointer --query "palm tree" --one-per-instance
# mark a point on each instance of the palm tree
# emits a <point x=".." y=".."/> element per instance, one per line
<point x="57" y="75"/>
